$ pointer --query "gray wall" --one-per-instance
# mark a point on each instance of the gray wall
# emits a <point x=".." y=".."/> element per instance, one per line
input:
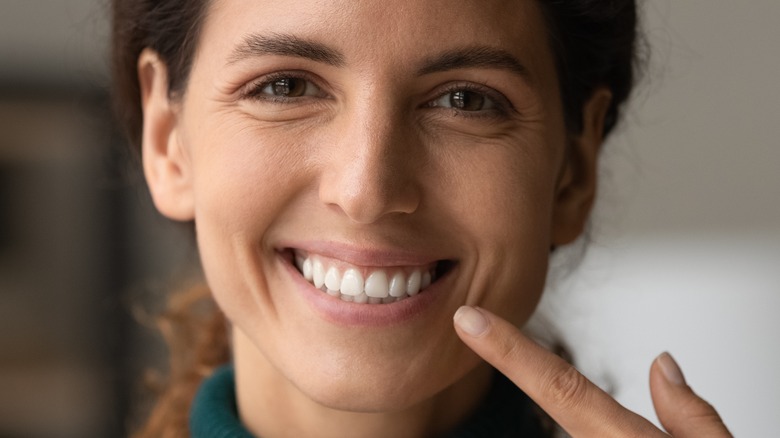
<point x="53" y="38"/>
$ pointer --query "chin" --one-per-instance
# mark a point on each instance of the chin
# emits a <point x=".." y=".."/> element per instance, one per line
<point x="369" y="390"/>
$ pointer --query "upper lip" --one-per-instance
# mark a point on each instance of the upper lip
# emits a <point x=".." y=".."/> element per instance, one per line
<point x="365" y="255"/>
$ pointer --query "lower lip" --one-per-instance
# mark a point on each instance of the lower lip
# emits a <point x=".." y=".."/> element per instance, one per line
<point x="345" y="313"/>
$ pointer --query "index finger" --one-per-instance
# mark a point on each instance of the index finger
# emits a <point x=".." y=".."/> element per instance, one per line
<point x="573" y="401"/>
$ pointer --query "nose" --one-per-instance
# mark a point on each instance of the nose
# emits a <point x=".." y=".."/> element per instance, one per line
<point x="372" y="171"/>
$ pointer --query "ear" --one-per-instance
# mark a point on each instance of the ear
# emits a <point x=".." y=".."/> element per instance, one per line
<point x="576" y="189"/>
<point x="166" y="164"/>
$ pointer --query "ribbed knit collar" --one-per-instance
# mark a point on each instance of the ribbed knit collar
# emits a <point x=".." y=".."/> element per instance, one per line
<point x="507" y="411"/>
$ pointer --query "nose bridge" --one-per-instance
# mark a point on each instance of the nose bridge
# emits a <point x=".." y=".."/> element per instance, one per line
<point x="372" y="174"/>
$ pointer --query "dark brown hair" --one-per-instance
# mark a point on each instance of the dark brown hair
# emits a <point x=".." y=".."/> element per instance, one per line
<point x="594" y="44"/>
<point x="169" y="27"/>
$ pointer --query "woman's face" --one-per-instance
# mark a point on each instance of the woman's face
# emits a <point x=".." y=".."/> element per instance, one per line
<point x="368" y="145"/>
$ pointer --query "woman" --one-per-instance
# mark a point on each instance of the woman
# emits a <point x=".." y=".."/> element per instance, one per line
<point x="361" y="174"/>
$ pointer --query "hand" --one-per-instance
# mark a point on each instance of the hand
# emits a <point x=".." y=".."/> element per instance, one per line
<point x="581" y="408"/>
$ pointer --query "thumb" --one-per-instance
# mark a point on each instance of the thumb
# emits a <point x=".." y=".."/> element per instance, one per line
<point x="680" y="410"/>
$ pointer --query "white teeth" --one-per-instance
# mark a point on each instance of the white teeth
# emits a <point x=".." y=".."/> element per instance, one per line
<point x="426" y="280"/>
<point x="351" y="284"/>
<point x="318" y="274"/>
<point x="333" y="279"/>
<point x="413" y="285"/>
<point x="306" y="269"/>
<point x="398" y="285"/>
<point x="376" y="285"/>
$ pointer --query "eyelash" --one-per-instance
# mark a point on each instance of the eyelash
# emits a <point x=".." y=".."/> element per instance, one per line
<point x="501" y="105"/>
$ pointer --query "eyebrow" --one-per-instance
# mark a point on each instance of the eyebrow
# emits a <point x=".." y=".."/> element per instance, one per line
<point x="290" y="45"/>
<point x="471" y="57"/>
<point x="285" y="45"/>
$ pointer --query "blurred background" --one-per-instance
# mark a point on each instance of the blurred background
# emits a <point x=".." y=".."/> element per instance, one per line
<point x="85" y="261"/>
<point x="683" y="254"/>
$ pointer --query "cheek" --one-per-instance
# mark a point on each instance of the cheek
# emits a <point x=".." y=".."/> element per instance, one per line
<point x="243" y="183"/>
<point x="502" y="199"/>
<point x="245" y="179"/>
<point x="500" y="194"/>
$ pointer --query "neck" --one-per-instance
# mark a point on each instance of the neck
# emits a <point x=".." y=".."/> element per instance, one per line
<point x="271" y="406"/>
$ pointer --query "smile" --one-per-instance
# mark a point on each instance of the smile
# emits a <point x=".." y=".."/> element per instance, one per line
<point x="367" y="285"/>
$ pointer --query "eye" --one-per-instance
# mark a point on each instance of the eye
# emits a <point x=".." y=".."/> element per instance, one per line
<point x="465" y="100"/>
<point x="283" y="87"/>
<point x="288" y="87"/>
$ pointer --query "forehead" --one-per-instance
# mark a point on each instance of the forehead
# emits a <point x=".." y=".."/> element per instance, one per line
<point x="387" y="32"/>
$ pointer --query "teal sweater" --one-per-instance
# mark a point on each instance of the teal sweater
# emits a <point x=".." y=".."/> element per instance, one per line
<point x="507" y="412"/>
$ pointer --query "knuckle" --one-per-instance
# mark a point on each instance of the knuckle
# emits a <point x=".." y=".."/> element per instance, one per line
<point x="695" y="414"/>
<point x="508" y="349"/>
<point x="567" y="388"/>
<point x="699" y="410"/>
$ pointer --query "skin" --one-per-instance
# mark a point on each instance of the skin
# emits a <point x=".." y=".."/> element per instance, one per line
<point x="372" y="158"/>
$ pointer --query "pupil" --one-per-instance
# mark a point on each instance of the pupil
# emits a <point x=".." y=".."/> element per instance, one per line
<point x="466" y="100"/>
<point x="289" y="87"/>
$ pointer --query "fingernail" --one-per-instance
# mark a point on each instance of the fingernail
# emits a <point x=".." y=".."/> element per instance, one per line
<point x="470" y="320"/>
<point x="670" y="369"/>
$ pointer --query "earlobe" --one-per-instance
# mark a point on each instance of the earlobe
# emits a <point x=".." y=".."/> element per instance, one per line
<point x="166" y="165"/>
<point x="576" y="188"/>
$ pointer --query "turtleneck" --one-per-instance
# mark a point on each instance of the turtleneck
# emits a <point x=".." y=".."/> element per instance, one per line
<point x="506" y="412"/>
